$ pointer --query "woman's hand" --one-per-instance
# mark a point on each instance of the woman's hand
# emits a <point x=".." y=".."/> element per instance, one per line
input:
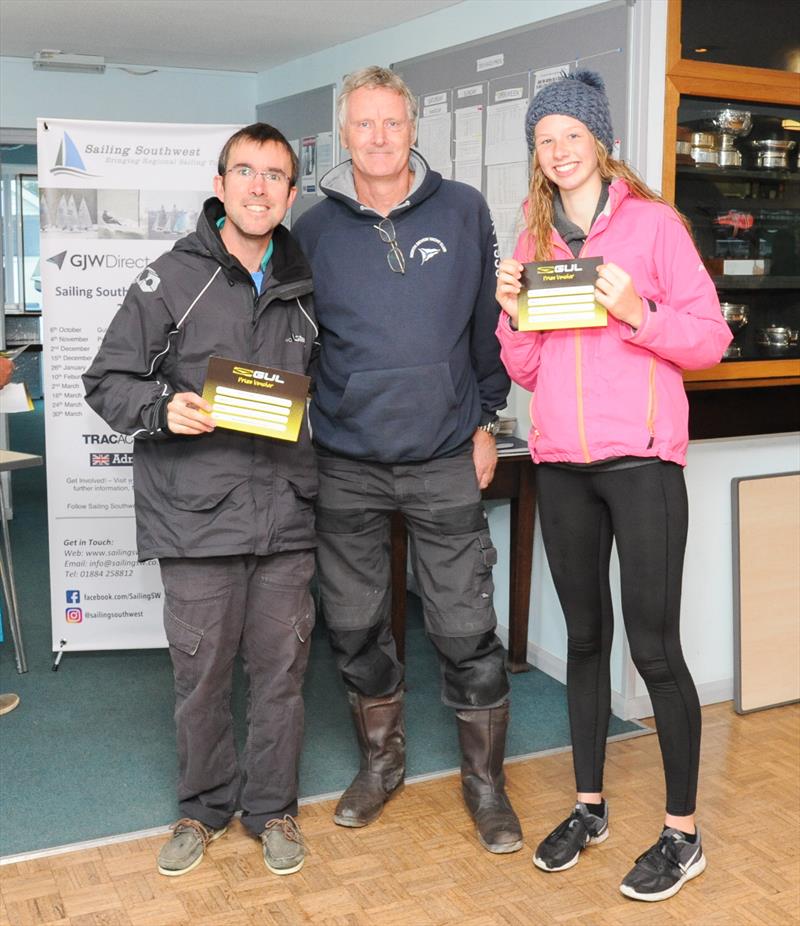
<point x="508" y="286"/>
<point x="614" y="290"/>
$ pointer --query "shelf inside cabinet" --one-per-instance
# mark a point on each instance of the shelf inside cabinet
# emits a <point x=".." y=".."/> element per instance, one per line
<point x="764" y="281"/>
<point x="736" y="173"/>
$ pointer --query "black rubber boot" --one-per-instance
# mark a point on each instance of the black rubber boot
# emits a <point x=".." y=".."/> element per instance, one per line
<point x="382" y="743"/>
<point x="482" y="736"/>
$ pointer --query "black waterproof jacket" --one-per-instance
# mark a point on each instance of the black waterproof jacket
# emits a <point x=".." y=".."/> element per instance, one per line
<point x="223" y="493"/>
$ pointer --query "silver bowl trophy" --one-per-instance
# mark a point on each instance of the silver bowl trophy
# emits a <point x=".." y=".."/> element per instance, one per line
<point x="737" y="315"/>
<point x="731" y="124"/>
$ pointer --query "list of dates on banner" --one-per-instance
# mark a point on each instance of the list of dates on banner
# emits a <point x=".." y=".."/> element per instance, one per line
<point x="113" y="197"/>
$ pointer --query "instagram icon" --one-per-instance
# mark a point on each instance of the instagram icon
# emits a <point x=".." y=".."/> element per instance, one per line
<point x="74" y="615"/>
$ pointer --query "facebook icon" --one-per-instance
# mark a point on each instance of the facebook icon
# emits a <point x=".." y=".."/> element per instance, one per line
<point x="73" y="596"/>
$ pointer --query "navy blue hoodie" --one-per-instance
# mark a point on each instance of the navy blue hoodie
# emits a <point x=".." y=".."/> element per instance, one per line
<point x="409" y="364"/>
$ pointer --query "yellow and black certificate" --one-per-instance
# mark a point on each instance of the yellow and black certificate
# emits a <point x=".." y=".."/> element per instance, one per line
<point x="560" y="294"/>
<point x="256" y="400"/>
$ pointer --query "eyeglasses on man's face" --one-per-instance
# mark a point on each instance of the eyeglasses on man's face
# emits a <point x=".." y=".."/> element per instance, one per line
<point x="246" y="173"/>
<point x="395" y="259"/>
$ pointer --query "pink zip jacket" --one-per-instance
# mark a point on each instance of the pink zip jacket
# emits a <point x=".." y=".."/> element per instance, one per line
<point x="611" y="392"/>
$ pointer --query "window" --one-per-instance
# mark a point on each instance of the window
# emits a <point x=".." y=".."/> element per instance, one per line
<point x="19" y="205"/>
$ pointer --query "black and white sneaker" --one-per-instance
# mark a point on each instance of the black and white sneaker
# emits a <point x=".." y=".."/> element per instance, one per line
<point x="560" y="850"/>
<point x="665" y="867"/>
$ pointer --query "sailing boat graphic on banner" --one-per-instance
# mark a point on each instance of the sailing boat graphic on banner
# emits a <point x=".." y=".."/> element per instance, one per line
<point x="69" y="160"/>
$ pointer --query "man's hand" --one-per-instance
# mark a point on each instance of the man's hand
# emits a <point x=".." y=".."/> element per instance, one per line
<point x="484" y="456"/>
<point x="189" y="413"/>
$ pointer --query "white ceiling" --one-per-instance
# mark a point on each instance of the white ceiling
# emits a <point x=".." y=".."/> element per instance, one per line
<point x="238" y="35"/>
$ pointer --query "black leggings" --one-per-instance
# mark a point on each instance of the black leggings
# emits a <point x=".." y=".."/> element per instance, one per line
<point x="644" y="509"/>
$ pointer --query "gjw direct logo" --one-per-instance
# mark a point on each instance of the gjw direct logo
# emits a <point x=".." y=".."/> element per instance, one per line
<point x="108" y="261"/>
<point x="69" y="160"/>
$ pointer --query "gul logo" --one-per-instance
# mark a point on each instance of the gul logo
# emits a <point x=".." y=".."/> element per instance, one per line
<point x="434" y="247"/>
<point x="262" y="375"/>
<point x="110" y="459"/>
<point x="559" y="268"/>
<point x="74" y="615"/>
<point x="148" y="280"/>
<point x="73" y="596"/>
<point x="69" y="160"/>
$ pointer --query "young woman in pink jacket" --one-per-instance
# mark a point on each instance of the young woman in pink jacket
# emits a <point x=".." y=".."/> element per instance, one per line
<point x="609" y="432"/>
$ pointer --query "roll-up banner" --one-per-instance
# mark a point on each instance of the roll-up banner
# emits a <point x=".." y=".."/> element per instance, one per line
<point x="113" y="197"/>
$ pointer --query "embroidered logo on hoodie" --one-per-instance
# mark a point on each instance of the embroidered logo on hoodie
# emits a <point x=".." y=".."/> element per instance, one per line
<point x="428" y="248"/>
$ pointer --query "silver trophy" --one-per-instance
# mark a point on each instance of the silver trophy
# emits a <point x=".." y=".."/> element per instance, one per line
<point x="731" y="124"/>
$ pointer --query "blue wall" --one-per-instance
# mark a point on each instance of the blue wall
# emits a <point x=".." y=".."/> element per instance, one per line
<point x="169" y="95"/>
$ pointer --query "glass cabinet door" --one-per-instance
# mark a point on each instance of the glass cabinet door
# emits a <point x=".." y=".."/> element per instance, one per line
<point x="738" y="183"/>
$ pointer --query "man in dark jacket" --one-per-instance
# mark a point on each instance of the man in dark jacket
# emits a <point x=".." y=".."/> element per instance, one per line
<point x="404" y="416"/>
<point x="229" y="515"/>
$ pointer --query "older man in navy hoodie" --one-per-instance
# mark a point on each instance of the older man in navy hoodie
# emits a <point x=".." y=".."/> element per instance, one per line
<point x="404" y="416"/>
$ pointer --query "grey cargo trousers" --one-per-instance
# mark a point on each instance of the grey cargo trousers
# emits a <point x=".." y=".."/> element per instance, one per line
<point x="452" y="557"/>
<point x="215" y="607"/>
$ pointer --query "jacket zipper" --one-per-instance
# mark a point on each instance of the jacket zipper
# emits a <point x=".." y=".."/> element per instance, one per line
<point x="587" y="458"/>
<point x="533" y="420"/>
<point x="652" y="403"/>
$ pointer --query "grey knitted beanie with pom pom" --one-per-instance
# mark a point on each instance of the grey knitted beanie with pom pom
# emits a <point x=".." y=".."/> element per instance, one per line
<point x="581" y="95"/>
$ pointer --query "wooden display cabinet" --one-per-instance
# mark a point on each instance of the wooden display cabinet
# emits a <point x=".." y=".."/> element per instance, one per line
<point x="760" y="393"/>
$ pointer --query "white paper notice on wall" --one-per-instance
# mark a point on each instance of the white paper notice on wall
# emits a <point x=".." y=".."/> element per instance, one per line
<point x="489" y="62"/>
<point x="505" y="138"/>
<point x="506" y="188"/>
<point x="469" y="145"/>
<point x="308" y="165"/>
<point x="547" y="76"/>
<point x="469" y="133"/>
<point x="463" y="92"/>
<point x="294" y="144"/>
<point x="434" y="136"/>
<point x="324" y="156"/>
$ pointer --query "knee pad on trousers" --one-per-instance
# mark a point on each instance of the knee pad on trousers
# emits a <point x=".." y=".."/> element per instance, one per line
<point x="367" y="662"/>
<point x="474" y="671"/>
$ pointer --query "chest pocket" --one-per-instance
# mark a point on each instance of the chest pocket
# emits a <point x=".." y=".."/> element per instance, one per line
<point x="218" y="333"/>
<point x="283" y="337"/>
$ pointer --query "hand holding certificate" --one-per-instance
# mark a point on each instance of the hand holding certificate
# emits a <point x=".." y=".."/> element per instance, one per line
<point x="254" y="399"/>
<point x="560" y="294"/>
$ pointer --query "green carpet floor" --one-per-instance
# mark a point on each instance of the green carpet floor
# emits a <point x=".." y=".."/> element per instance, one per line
<point x="90" y="750"/>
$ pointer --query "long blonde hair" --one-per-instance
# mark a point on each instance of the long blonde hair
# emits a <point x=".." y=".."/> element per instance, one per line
<point x="541" y="191"/>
